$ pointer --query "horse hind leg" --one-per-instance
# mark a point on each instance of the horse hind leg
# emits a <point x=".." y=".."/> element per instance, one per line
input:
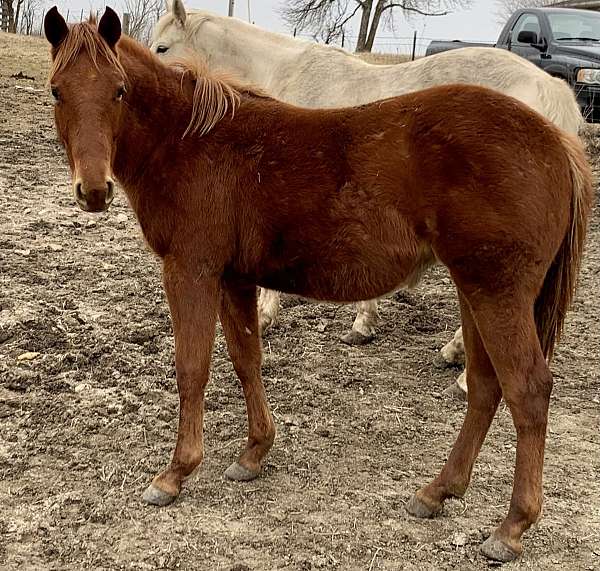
<point x="483" y="397"/>
<point x="526" y="382"/>
<point x="508" y="332"/>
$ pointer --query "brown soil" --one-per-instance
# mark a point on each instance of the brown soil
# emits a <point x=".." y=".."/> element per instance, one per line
<point x="89" y="416"/>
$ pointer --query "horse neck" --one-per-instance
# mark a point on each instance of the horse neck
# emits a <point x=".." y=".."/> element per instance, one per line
<point x="255" y="56"/>
<point x="156" y="111"/>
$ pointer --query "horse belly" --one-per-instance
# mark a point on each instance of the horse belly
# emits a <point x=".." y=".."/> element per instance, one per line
<point x="347" y="276"/>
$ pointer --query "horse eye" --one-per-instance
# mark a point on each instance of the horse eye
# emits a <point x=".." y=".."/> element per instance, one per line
<point x="121" y="90"/>
<point x="55" y="93"/>
<point x="162" y="49"/>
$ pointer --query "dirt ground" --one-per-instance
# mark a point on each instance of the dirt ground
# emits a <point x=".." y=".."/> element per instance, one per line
<point x="88" y="405"/>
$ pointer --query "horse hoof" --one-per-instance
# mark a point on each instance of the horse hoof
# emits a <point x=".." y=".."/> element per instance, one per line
<point x="156" y="497"/>
<point x="418" y="508"/>
<point x="356" y="338"/>
<point x="456" y="391"/>
<point x="240" y="473"/>
<point x="495" y="549"/>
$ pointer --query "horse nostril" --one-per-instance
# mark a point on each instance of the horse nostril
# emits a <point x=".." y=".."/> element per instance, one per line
<point x="79" y="192"/>
<point x="110" y="193"/>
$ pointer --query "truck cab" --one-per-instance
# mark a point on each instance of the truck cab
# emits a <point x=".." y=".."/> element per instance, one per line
<point x="563" y="42"/>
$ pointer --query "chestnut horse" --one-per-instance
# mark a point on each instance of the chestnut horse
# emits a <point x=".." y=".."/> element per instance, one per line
<point x="233" y="190"/>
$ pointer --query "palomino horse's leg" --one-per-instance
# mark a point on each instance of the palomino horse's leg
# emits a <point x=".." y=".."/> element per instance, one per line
<point x="483" y="398"/>
<point x="454" y="353"/>
<point x="240" y="326"/>
<point x="363" y="328"/>
<point x="194" y="303"/>
<point x="268" y="309"/>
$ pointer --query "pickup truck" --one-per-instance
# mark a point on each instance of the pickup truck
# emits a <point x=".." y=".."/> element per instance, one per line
<point x="562" y="41"/>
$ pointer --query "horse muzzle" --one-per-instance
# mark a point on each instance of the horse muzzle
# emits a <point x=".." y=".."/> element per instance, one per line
<point x="94" y="197"/>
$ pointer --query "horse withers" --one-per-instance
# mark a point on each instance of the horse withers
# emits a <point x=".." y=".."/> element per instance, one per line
<point x="233" y="189"/>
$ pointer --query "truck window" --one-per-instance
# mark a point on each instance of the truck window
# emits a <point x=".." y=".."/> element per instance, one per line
<point x="575" y="26"/>
<point x="525" y="23"/>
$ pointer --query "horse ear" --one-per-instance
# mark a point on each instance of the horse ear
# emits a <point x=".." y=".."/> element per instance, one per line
<point x="178" y="10"/>
<point x="110" y="27"/>
<point x="55" y="27"/>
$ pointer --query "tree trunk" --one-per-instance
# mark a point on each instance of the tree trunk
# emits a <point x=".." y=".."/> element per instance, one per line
<point x="367" y="6"/>
<point x="17" y="15"/>
<point x="379" y="10"/>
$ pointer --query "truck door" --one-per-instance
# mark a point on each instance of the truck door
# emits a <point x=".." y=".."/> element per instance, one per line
<point x="527" y="22"/>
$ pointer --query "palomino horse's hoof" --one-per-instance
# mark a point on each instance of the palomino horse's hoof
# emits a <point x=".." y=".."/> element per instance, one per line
<point x="240" y="473"/>
<point x="356" y="338"/>
<point x="456" y="391"/>
<point x="418" y="508"/>
<point x="494" y="548"/>
<point x="157" y="497"/>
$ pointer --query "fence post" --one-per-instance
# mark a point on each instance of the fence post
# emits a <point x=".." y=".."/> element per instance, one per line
<point x="414" y="47"/>
<point x="231" y="7"/>
<point x="126" y="19"/>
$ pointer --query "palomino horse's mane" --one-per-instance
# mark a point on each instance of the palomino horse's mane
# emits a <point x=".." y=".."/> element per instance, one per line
<point x="83" y="36"/>
<point x="195" y="19"/>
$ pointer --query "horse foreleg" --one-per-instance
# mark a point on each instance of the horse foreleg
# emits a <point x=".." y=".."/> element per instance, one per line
<point x="363" y="328"/>
<point x="240" y="326"/>
<point x="193" y="302"/>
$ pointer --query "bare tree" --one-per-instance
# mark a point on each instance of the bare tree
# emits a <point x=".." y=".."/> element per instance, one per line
<point x="507" y="7"/>
<point x="327" y="19"/>
<point x="29" y="14"/>
<point x="143" y="14"/>
<point x="11" y="11"/>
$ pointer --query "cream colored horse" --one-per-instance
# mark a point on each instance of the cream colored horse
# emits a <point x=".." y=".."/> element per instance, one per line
<point x="313" y="75"/>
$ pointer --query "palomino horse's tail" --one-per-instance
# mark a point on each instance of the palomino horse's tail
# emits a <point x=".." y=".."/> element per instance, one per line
<point x="560" y="283"/>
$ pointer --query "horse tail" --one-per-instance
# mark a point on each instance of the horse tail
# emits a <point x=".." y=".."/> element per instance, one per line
<point x="560" y="282"/>
<point x="560" y="104"/>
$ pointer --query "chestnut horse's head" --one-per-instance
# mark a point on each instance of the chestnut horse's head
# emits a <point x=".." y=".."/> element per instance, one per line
<point x="88" y="85"/>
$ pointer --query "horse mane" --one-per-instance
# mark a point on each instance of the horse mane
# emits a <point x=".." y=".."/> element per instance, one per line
<point x="214" y="95"/>
<point x="83" y="36"/>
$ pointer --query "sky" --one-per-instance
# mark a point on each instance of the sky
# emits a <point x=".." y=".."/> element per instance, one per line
<point x="479" y="22"/>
